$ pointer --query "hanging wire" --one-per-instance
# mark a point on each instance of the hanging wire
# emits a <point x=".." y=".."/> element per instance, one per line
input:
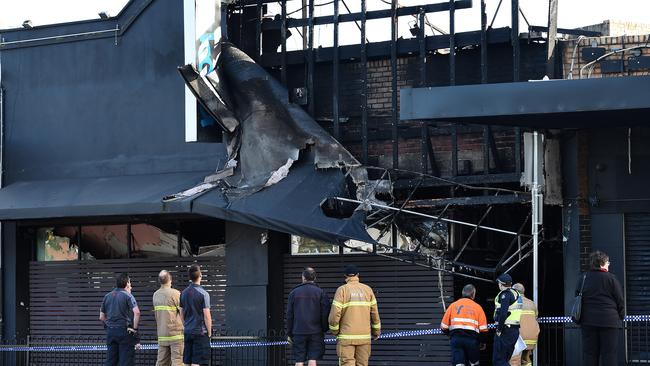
<point x="316" y="5"/>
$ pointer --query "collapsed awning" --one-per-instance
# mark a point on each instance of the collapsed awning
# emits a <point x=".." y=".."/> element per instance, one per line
<point x="601" y="102"/>
<point x="291" y="206"/>
<point x="109" y="196"/>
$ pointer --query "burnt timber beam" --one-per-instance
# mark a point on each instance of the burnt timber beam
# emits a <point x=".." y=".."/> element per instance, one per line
<point x="469" y="201"/>
<point x="375" y="14"/>
<point x="382" y="49"/>
<point x="413" y="132"/>
<point x="572" y="32"/>
<point x="463" y="179"/>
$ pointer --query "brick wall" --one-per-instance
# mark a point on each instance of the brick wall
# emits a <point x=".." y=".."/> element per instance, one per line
<point x="408" y="74"/>
<point x="611" y="44"/>
<point x="619" y="28"/>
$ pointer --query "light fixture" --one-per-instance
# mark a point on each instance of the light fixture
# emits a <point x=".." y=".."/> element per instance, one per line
<point x="414" y="28"/>
<point x="27" y="24"/>
<point x="104" y="15"/>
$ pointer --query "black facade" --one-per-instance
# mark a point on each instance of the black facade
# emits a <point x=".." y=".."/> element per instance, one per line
<point x="108" y="108"/>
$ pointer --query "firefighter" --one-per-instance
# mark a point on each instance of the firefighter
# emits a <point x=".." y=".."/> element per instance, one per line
<point x="465" y="322"/>
<point x="354" y="320"/>
<point x="507" y="315"/>
<point x="529" y="328"/>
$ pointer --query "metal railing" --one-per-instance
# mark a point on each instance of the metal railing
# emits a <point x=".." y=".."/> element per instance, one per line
<point x="558" y="340"/>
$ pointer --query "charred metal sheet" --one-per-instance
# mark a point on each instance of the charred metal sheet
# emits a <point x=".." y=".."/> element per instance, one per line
<point x="206" y="93"/>
<point x="271" y="131"/>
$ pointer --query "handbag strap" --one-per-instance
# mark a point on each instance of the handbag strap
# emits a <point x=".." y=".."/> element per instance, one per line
<point x="583" y="283"/>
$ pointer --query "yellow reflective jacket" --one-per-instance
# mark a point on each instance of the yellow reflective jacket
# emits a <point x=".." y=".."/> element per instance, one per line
<point x="529" y="328"/>
<point x="354" y="317"/>
<point x="166" y="304"/>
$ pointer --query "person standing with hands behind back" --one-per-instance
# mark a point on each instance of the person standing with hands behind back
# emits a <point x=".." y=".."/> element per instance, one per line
<point x="603" y="310"/>
<point x="195" y="302"/>
<point x="307" y="311"/>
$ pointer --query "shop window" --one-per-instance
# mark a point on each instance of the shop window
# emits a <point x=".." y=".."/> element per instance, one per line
<point x="358" y="247"/>
<point x="57" y="244"/>
<point x="306" y="246"/>
<point x="104" y="241"/>
<point x="204" y="238"/>
<point x="151" y="241"/>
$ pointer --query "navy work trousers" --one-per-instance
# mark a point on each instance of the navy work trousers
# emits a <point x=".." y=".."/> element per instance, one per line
<point x="504" y="345"/>
<point x="121" y="347"/>
<point x="464" y="350"/>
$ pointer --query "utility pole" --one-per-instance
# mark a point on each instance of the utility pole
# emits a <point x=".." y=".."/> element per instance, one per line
<point x="304" y="27"/>
<point x="551" y="38"/>
<point x="537" y="205"/>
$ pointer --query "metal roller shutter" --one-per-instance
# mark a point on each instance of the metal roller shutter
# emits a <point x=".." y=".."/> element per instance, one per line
<point x="408" y="297"/>
<point x="637" y="282"/>
<point x="65" y="298"/>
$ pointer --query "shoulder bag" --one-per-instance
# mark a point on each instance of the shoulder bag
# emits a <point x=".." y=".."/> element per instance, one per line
<point x="576" y="309"/>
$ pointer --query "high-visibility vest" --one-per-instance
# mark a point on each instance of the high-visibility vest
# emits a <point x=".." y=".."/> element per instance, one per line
<point x="515" y="308"/>
<point x="464" y="314"/>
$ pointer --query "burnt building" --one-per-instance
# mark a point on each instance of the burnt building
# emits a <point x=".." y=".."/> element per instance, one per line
<point x="99" y="176"/>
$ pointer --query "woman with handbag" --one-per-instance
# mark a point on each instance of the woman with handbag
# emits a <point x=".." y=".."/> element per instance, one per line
<point x="601" y="313"/>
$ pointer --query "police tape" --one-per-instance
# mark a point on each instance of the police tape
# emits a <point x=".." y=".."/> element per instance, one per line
<point x="242" y="344"/>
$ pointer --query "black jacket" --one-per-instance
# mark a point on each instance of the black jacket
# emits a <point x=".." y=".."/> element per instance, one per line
<point x="602" y="300"/>
<point x="307" y="310"/>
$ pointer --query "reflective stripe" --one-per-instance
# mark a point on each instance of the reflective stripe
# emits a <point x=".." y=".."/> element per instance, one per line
<point x="466" y="320"/>
<point x="165" y="308"/>
<point x="354" y="303"/>
<point x="515" y="308"/>
<point x="353" y="336"/>
<point x="530" y="342"/>
<point x="528" y="312"/>
<point x="376" y="326"/>
<point x="444" y="326"/>
<point x="482" y="327"/>
<point x="334" y="327"/>
<point x="467" y="327"/>
<point x="171" y="338"/>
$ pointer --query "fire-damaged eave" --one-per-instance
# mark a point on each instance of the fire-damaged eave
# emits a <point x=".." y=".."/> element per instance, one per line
<point x="266" y="132"/>
<point x="282" y="163"/>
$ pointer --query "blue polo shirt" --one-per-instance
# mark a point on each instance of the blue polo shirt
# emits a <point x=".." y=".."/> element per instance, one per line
<point x="118" y="307"/>
<point x="193" y="300"/>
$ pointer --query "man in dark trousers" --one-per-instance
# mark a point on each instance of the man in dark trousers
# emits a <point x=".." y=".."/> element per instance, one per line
<point x="307" y="309"/>
<point x="465" y="323"/>
<point x="507" y="316"/>
<point x="195" y="302"/>
<point x="120" y="314"/>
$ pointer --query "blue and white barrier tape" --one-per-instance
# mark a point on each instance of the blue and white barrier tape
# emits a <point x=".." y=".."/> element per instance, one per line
<point x="240" y="344"/>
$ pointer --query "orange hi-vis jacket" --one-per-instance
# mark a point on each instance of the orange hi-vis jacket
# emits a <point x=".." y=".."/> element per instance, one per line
<point x="465" y="314"/>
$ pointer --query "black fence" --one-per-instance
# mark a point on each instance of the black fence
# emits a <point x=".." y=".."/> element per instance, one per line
<point x="634" y="343"/>
<point x="242" y="349"/>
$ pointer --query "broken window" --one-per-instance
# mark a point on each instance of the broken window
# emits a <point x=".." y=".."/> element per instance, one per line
<point x="150" y="241"/>
<point x="306" y="246"/>
<point x="203" y="238"/>
<point x="105" y="241"/>
<point x="384" y="238"/>
<point x="57" y="245"/>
